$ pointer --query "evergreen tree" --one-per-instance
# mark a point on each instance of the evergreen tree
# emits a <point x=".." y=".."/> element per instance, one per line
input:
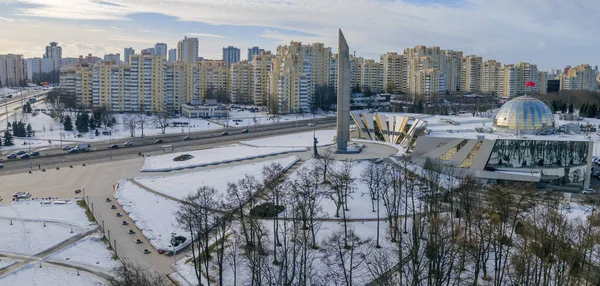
<point x="68" y="124"/>
<point x="584" y="110"/>
<point x="81" y="123"/>
<point x="571" y="108"/>
<point x="593" y="110"/>
<point x="29" y="130"/>
<point x="27" y="108"/>
<point x="92" y="122"/>
<point x="8" y="140"/>
<point x="97" y="132"/>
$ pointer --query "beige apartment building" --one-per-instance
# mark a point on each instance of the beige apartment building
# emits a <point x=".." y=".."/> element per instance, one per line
<point x="262" y="64"/>
<point x="581" y="77"/>
<point x="12" y="70"/>
<point x="470" y="72"/>
<point x="213" y="78"/>
<point x="241" y="82"/>
<point x="371" y="76"/>
<point x="187" y="50"/>
<point x="394" y="76"/>
<point x="490" y="76"/>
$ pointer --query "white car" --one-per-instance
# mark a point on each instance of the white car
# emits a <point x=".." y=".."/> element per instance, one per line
<point x="311" y="124"/>
<point x="128" y="143"/>
<point x="588" y="191"/>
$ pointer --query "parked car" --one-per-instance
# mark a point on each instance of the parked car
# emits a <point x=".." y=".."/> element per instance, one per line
<point x="12" y="156"/>
<point x="1" y="166"/>
<point x="187" y="138"/>
<point x="128" y="143"/>
<point x="113" y="207"/>
<point x="146" y="251"/>
<point x="25" y="156"/>
<point x="119" y="215"/>
<point x="108" y="200"/>
<point x="158" y="141"/>
<point x="73" y="151"/>
<point x="35" y="153"/>
<point x="66" y="148"/>
<point x="131" y="231"/>
<point x="125" y="223"/>
<point x="22" y="195"/>
<point x="113" y="146"/>
<point x="588" y="191"/>
<point x="311" y="124"/>
<point x="21" y="153"/>
<point x="245" y="130"/>
<point x="225" y="133"/>
<point x="138" y="241"/>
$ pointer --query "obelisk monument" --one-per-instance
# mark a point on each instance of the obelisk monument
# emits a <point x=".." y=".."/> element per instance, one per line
<point x="343" y="95"/>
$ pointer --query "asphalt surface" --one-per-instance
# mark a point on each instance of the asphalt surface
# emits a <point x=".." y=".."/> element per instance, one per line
<point x="57" y="157"/>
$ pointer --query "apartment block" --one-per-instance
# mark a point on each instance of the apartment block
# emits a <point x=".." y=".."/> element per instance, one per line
<point x="490" y="76"/>
<point x="470" y="72"/>
<point x="262" y="64"/>
<point x="213" y="78"/>
<point x="187" y="50"/>
<point x="394" y="67"/>
<point x="371" y="76"/>
<point x="254" y="51"/>
<point x="581" y="77"/>
<point x="241" y="83"/>
<point x="292" y="83"/>
<point x="12" y="70"/>
<point x="231" y="55"/>
<point x="127" y="52"/>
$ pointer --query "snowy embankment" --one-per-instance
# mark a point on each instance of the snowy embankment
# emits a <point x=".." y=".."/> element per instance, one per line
<point x="90" y="251"/>
<point x="188" y="183"/>
<point x="34" y="210"/>
<point x="304" y="139"/>
<point x="49" y="276"/>
<point x="5" y="262"/>
<point x="164" y="163"/>
<point x="153" y="214"/>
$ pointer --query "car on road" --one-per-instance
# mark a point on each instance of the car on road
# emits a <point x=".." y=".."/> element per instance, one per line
<point x="125" y="223"/>
<point x="138" y="241"/>
<point x="12" y="156"/>
<point x="113" y="146"/>
<point x="588" y="191"/>
<point x="66" y="148"/>
<point x="22" y="195"/>
<point x="245" y="130"/>
<point x="72" y="151"/>
<point x="225" y="133"/>
<point x="35" y="153"/>
<point x="119" y="215"/>
<point x="131" y="231"/>
<point x="127" y="144"/>
<point x="25" y="156"/>
<point x="146" y="251"/>
<point x="158" y="141"/>
<point x="311" y="124"/>
<point x="21" y="153"/>
<point x="1" y="166"/>
<point x="108" y="200"/>
<point x="187" y="138"/>
<point x="113" y="207"/>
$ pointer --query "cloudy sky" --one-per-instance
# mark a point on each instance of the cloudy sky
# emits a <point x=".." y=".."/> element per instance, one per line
<point x="550" y="33"/>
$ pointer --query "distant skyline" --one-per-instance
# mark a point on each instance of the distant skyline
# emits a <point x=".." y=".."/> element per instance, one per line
<point x="549" y="33"/>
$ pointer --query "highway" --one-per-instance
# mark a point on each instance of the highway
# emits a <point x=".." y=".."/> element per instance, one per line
<point x="199" y="140"/>
<point x="10" y="105"/>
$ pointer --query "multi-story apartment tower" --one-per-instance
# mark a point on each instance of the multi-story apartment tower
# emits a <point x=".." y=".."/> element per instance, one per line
<point x="147" y="74"/>
<point x="394" y="66"/>
<point x="53" y="51"/>
<point x="490" y="77"/>
<point x="254" y="51"/>
<point x="172" y="55"/>
<point x="241" y="83"/>
<point x="581" y="77"/>
<point x="12" y="70"/>
<point x="470" y="72"/>
<point x="105" y="85"/>
<point x="213" y="79"/>
<point x="262" y="64"/>
<point x="114" y="58"/>
<point x="451" y="70"/>
<point x="291" y="83"/>
<point x="160" y="49"/>
<point x="231" y="55"/>
<point x="127" y="52"/>
<point x="508" y="81"/>
<point x="371" y="73"/>
<point x="187" y="50"/>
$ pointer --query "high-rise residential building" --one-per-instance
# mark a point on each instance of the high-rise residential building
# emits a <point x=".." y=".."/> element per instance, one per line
<point x="470" y="72"/>
<point x="114" y="58"/>
<point x="508" y="81"/>
<point x="160" y="49"/>
<point x="127" y="52"/>
<point x="290" y="83"/>
<point x="69" y="61"/>
<point x="490" y="76"/>
<point x="231" y="55"/>
<point x="49" y="65"/>
<point x="451" y="70"/>
<point x="254" y="51"/>
<point x="33" y="67"/>
<point x="12" y="70"/>
<point x="187" y="50"/>
<point x="213" y="79"/>
<point x="77" y="79"/>
<point x="527" y="72"/>
<point x="581" y="77"/>
<point x="429" y="82"/>
<point x="106" y="85"/>
<point x="241" y="83"/>
<point x="394" y="66"/>
<point x="543" y="85"/>
<point x="172" y="55"/>
<point x="147" y="74"/>
<point x="183" y="77"/>
<point x="53" y="51"/>
<point x="262" y="64"/>
<point x="371" y="73"/>
<point x="89" y="59"/>
<point x="150" y="51"/>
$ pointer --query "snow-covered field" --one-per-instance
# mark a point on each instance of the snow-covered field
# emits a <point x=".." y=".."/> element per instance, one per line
<point x="31" y="237"/>
<point x="305" y="139"/>
<point x="236" y="152"/>
<point x="5" y="262"/>
<point x="90" y="251"/>
<point x="188" y="183"/>
<point x="69" y="213"/>
<point x="245" y="118"/>
<point x="153" y="214"/>
<point x="47" y="275"/>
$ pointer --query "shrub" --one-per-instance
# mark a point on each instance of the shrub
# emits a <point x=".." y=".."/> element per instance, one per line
<point x="183" y="157"/>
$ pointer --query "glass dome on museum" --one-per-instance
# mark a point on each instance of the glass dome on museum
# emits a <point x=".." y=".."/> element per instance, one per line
<point x="525" y="115"/>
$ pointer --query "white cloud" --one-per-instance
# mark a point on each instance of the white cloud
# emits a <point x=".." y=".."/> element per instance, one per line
<point x="204" y="35"/>
<point x="6" y="19"/>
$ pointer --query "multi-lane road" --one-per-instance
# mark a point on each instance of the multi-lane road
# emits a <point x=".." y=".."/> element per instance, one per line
<point x="57" y="157"/>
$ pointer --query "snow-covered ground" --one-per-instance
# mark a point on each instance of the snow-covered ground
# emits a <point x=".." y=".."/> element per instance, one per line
<point x="90" y="251"/>
<point x="153" y="214"/>
<point x="188" y="183"/>
<point x="213" y="156"/>
<point x="48" y="275"/>
<point x="245" y="118"/>
<point x="69" y="213"/>
<point x="305" y="139"/>
<point x="5" y="262"/>
<point x="31" y="237"/>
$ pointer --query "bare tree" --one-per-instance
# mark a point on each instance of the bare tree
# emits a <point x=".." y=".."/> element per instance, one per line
<point x="324" y="163"/>
<point x="129" y="274"/>
<point x="345" y="255"/>
<point x="130" y="123"/>
<point x="162" y="121"/>
<point x="141" y="120"/>
<point x="341" y="187"/>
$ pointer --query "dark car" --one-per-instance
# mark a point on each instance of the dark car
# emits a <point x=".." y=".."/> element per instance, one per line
<point x="12" y="156"/>
<point x="25" y="156"/>
<point x="187" y="138"/>
<point x="21" y="153"/>
<point x="131" y="231"/>
<point x="35" y="153"/>
<point x="125" y="223"/>
<point x="66" y="148"/>
<point x="138" y="241"/>
<point x="113" y="207"/>
<point x="72" y="151"/>
<point x="113" y="146"/>
<point x="146" y="251"/>
<point x="108" y="200"/>
<point x="245" y="130"/>
<point x="225" y="133"/>
<point x="119" y="215"/>
<point x="158" y="141"/>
